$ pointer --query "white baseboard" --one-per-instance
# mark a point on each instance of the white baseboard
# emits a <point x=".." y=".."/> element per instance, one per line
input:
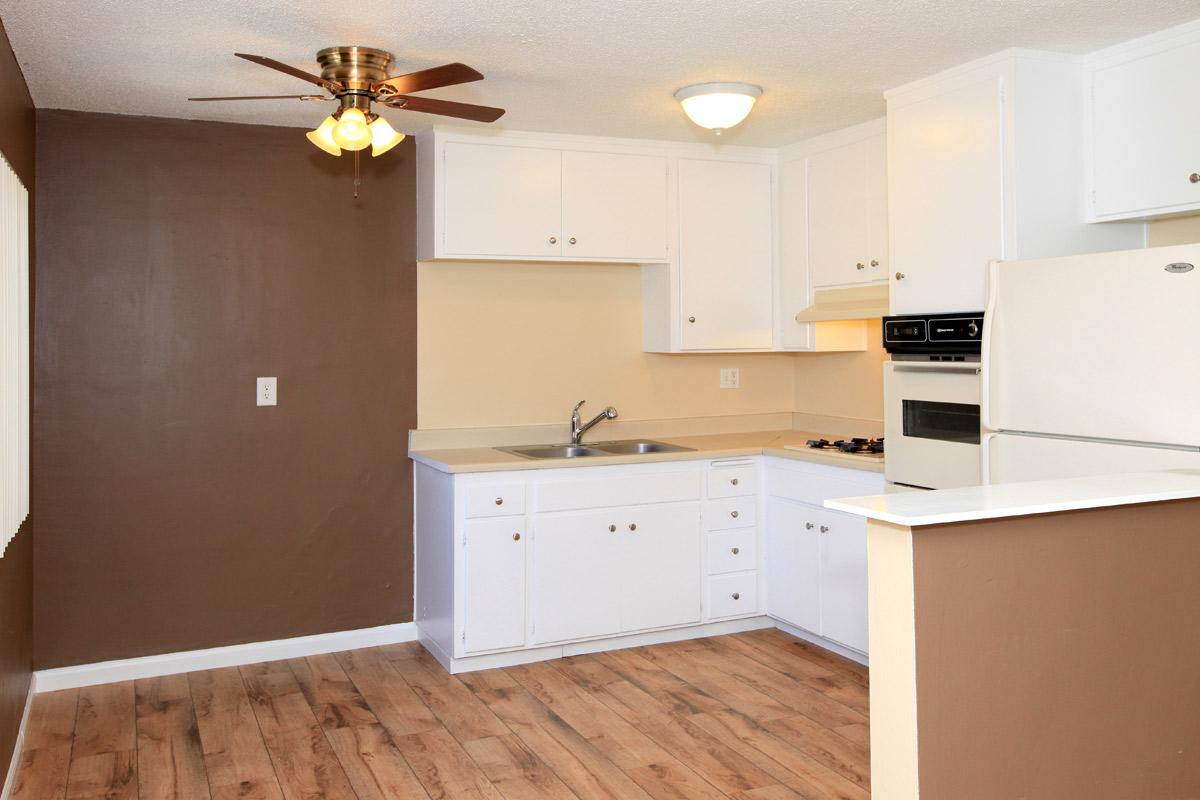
<point x="49" y="680"/>
<point x="833" y="647"/>
<point x="15" y="764"/>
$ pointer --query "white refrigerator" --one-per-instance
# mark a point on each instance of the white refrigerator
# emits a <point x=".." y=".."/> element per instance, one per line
<point x="1091" y="365"/>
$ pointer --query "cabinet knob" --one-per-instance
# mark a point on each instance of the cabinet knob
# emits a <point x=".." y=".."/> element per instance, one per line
<point x="824" y="529"/>
<point x="874" y="262"/>
<point x="736" y="550"/>
<point x="632" y="527"/>
<point x="736" y="595"/>
<point x="612" y="528"/>
<point x="733" y="481"/>
<point x="571" y="240"/>
<point x="900" y="276"/>
<point x="860" y="265"/>
<point x="516" y="537"/>
<point x="733" y="514"/>
<point x="691" y="319"/>
<point x="553" y="240"/>
<point x="499" y="501"/>
<point x="1194" y="177"/>
<point x="808" y="526"/>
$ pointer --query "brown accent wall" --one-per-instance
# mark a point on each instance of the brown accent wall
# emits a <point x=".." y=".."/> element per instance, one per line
<point x="177" y="261"/>
<point x="16" y="565"/>
<point x="1057" y="656"/>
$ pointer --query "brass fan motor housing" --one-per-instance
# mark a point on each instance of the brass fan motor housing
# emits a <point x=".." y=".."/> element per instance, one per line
<point x="356" y="68"/>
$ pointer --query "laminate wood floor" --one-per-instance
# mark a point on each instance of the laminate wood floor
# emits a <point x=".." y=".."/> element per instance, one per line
<point x="752" y="716"/>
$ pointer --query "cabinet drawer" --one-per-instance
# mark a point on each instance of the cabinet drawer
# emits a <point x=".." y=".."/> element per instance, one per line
<point x="733" y="595"/>
<point x="733" y="481"/>
<point x="732" y="551"/>
<point x="734" y="512"/>
<point x="495" y="500"/>
<point x="618" y="490"/>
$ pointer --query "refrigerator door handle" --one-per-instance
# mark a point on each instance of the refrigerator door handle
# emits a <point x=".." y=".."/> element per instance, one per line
<point x="985" y="377"/>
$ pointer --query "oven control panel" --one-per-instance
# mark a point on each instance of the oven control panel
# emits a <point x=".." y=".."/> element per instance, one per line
<point x="934" y="335"/>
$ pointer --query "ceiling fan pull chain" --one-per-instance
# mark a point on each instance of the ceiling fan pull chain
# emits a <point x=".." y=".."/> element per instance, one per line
<point x="357" y="179"/>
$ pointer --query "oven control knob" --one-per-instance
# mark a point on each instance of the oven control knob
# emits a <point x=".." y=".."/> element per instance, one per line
<point x="972" y="329"/>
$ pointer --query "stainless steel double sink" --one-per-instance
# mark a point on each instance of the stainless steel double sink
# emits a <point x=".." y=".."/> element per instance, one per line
<point x="626" y="447"/>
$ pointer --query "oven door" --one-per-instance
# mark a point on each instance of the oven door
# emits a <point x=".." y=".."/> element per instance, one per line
<point x="931" y="421"/>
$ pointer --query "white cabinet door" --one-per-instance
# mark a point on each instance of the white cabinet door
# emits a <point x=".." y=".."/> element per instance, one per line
<point x="793" y="564"/>
<point x="946" y="198"/>
<point x="577" y="575"/>
<point x="1145" y="129"/>
<point x="725" y="254"/>
<point x="837" y="215"/>
<point x="614" y="206"/>
<point x="502" y="201"/>
<point x="494" y="555"/>
<point x="660" y="576"/>
<point x="878" y="259"/>
<point x="843" y="578"/>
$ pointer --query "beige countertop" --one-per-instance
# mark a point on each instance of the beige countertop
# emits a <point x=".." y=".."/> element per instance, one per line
<point x="723" y="445"/>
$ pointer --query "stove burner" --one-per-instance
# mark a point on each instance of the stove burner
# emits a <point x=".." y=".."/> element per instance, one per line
<point x="855" y="446"/>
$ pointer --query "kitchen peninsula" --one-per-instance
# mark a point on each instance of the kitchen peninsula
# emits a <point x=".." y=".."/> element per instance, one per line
<point x="1035" y="640"/>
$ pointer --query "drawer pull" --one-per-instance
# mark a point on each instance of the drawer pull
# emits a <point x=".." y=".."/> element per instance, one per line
<point x="516" y="537"/>
<point x="733" y="514"/>
<point x="736" y="595"/>
<point x="632" y="527"/>
<point x="808" y="526"/>
<point x="736" y="550"/>
<point x="733" y="481"/>
<point x="612" y="528"/>
<point x="1194" y="177"/>
<point x="824" y="529"/>
<point x="499" y="501"/>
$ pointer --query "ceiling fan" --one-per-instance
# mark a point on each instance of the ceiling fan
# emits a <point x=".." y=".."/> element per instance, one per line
<point x="356" y="77"/>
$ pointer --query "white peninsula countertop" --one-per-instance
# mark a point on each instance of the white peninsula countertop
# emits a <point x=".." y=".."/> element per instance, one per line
<point x="912" y="509"/>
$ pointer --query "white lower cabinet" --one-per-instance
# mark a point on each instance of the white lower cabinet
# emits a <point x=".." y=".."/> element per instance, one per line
<point x="619" y="570"/>
<point x="844" y="579"/>
<point x="794" y="565"/>
<point x="494" y="557"/>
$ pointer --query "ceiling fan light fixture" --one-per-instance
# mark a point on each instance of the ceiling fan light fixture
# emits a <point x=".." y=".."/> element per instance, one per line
<point x="322" y="136"/>
<point x="351" y="132"/>
<point x="383" y="137"/>
<point x="718" y="106"/>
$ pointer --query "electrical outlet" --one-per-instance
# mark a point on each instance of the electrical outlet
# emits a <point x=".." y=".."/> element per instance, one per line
<point x="267" y="392"/>
<point x="729" y="378"/>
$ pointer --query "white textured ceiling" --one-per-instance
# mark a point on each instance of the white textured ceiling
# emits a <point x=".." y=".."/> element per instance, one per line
<point x="592" y="66"/>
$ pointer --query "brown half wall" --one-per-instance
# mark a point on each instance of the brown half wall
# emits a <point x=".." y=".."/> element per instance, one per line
<point x="1058" y="656"/>
<point x="16" y="565"/>
<point x="177" y="261"/>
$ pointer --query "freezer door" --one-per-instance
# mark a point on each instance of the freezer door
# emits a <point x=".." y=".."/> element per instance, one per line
<point x="1101" y="346"/>
<point x="1009" y="458"/>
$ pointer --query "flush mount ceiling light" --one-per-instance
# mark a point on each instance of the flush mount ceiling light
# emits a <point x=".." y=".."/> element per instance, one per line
<point x="718" y="106"/>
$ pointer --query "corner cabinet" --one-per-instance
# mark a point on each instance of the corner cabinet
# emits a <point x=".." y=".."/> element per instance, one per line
<point x="986" y="162"/>
<point x="1143" y="126"/>
<point x="515" y="200"/>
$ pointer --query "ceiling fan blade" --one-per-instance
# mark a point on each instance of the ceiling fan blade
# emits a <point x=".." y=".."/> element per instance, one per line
<point x="446" y="108"/>
<point x="445" y="75"/>
<point x="267" y="97"/>
<point x="332" y="86"/>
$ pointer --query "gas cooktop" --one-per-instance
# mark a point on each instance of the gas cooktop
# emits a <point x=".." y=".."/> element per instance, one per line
<point x="854" y="446"/>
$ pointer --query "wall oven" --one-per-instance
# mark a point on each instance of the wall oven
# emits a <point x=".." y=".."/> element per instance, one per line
<point x="931" y="400"/>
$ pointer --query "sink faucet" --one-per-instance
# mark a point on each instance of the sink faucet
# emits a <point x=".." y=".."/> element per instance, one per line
<point x="577" y="430"/>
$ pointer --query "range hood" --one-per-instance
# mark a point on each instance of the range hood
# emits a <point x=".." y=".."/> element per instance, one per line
<point x="855" y="302"/>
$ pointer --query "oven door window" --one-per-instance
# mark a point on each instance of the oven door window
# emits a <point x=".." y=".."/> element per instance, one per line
<point x="943" y="422"/>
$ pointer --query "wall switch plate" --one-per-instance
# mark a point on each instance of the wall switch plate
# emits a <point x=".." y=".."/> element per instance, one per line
<point x="729" y="378"/>
<point x="267" y="391"/>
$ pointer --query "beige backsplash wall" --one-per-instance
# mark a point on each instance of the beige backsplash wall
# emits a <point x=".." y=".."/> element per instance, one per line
<point x="842" y="384"/>
<point x="519" y="344"/>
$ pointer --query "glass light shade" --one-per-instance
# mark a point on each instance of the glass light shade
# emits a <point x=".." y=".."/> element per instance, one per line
<point x="351" y="131"/>
<point x="383" y="137"/>
<point x="717" y="106"/>
<point x="322" y="137"/>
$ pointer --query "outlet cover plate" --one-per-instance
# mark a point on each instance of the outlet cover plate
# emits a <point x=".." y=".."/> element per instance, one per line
<point x="730" y="378"/>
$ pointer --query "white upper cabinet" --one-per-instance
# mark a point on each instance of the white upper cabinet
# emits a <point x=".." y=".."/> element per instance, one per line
<point x="847" y="210"/>
<point x="502" y="200"/>
<point x="614" y="205"/>
<point x="1144" y="126"/>
<point x="985" y="162"/>
<point x="726" y="254"/>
